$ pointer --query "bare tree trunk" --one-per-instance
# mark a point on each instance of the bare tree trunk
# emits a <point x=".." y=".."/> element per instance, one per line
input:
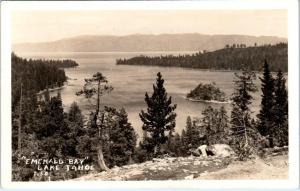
<point x="101" y="161"/>
<point x="20" y="121"/>
<point x="97" y="107"/>
<point x="157" y="150"/>
<point x="245" y="129"/>
<point x="98" y="99"/>
<point x="130" y="160"/>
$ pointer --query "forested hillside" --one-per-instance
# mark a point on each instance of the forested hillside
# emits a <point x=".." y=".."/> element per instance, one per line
<point x="232" y="57"/>
<point x="35" y="75"/>
<point x="41" y="129"/>
<point x="60" y="63"/>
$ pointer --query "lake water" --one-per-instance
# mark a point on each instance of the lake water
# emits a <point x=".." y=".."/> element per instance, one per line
<point x="131" y="82"/>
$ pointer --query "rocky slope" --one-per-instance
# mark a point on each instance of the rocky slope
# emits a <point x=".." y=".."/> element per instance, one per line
<point x="181" y="168"/>
<point x="204" y="168"/>
<point x="272" y="164"/>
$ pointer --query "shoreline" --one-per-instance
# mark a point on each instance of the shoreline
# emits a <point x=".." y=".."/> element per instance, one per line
<point x="66" y="84"/>
<point x="200" y="69"/>
<point x="55" y="88"/>
<point x="208" y="101"/>
<point x="51" y="89"/>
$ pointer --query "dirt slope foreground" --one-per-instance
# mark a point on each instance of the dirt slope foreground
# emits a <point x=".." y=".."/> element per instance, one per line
<point x="273" y="167"/>
<point x="188" y="168"/>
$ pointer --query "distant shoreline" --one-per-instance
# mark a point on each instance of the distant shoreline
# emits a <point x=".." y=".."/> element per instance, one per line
<point x="200" y="69"/>
<point x="31" y="53"/>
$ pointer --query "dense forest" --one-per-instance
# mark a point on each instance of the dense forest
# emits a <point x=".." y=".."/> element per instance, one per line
<point x="66" y="63"/>
<point x="233" y="57"/>
<point x="31" y="76"/>
<point x="42" y="129"/>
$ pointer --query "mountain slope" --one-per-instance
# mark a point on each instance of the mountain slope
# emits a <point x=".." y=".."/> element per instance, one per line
<point x="139" y="42"/>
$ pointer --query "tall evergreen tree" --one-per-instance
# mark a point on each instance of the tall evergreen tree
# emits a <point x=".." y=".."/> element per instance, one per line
<point x="208" y="123"/>
<point x="51" y="125"/>
<point x="243" y="132"/>
<point x="223" y="121"/>
<point x="192" y="134"/>
<point x="94" y="88"/>
<point x="223" y="126"/>
<point x="174" y="145"/>
<point x="74" y="129"/>
<point x="122" y="140"/>
<point x="265" y="116"/>
<point x="215" y="125"/>
<point x="184" y="143"/>
<point x="145" y="150"/>
<point x="281" y="110"/>
<point x="75" y="114"/>
<point x="160" y="116"/>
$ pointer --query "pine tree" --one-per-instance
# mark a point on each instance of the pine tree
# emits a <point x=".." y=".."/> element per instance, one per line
<point x="145" y="150"/>
<point x="75" y="115"/>
<point x="74" y="129"/>
<point x="175" y="146"/>
<point x="192" y="134"/>
<point x="223" y="121"/>
<point x="96" y="87"/>
<point x="243" y="132"/>
<point x="184" y="143"/>
<point x="265" y="116"/>
<point x="208" y="123"/>
<point x="122" y="140"/>
<point x="160" y="116"/>
<point x="169" y="144"/>
<point x="214" y="125"/>
<point x="51" y="125"/>
<point x="281" y="110"/>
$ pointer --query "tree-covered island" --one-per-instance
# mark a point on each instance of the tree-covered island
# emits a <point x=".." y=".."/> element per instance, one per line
<point x="206" y="92"/>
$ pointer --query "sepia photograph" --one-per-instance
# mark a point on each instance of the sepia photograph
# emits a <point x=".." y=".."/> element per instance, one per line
<point x="135" y="94"/>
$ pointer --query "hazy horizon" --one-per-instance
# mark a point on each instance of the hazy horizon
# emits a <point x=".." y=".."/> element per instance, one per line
<point x="146" y="34"/>
<point x="45" y="26"/>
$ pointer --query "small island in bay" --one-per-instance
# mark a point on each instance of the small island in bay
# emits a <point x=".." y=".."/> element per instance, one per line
<point x="207" y="92"/>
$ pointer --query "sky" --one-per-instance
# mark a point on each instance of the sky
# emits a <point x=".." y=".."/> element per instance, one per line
<point x="43" y="26"/>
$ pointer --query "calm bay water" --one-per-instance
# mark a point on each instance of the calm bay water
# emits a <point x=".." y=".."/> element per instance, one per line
<point x="131" y="82"/>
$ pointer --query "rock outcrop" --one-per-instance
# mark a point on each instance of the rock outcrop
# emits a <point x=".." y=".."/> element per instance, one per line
<point x="170" y="168"/>
<point x="219" y="150"/>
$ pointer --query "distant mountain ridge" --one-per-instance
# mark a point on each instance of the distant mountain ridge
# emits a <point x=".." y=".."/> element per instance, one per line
<point x="143" y="42"/>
